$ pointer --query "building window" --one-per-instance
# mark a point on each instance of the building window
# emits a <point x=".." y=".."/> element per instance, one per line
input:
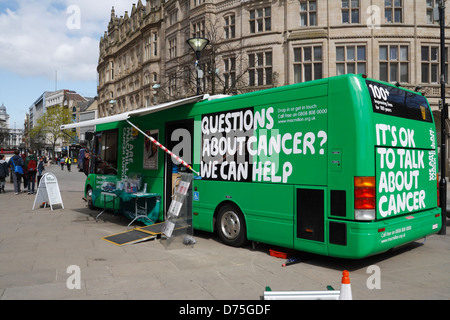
<point x="350" y="59"/>
<point x="430" y="5"/>
<point x="394" y="63"/>
<point x="350" y="11"/>
<point x="431" y="64"/>
<point x="146" y="79"/>
<point x="260" y="20"/>
<point x="111" y="68"/>
<point x="155" y="43"/>
<point x="230" y="27"/>
<point x="260" y="69"/>
<point x="229" y="73"/>
<point x="147" y="48"/>
<point x="198" y="29"/>
<point x="173" y="17"/>
<point x="172" y="48"/>
<point x="198" y="2"/>
<point x="172" y="84"/>
<point x="307" y="64"/>
<point x="308" y="13"/>
<point x="393" y="11"/>
<point x="74" y="114"/>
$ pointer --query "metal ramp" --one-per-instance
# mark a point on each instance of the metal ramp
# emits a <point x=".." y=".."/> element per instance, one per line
<point x="136" y="235"/>
<point x="155" y="229"/>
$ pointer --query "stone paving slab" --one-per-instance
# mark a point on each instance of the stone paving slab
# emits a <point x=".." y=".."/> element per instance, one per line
<point x="37" y="247"/>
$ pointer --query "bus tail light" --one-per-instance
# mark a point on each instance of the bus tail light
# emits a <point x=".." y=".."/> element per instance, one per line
<point x="438" y="200"/>
<point x="365" y="198"/>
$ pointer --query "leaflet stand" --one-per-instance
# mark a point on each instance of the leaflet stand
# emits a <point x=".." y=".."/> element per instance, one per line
<point x="178" y="226"/>
<point x="48" y="191"/>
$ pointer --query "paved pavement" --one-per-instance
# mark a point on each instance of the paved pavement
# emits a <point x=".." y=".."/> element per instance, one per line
<point x="38" y="248"/>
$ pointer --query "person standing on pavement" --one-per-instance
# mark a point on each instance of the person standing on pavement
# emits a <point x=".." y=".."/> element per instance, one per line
<point x="15" y="161"/>
<point x="40" y="168"/>
<point x="4" y="172"/>
<point x="25" y="172"/>
<point x="86" y="163"/>
<point x="31" y="163"/>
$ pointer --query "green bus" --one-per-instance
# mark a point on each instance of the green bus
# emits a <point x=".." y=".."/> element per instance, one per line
<point x="344" y="166"/>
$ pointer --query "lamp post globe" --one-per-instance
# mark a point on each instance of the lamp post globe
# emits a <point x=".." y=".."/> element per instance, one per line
<point x="197" y="44"/>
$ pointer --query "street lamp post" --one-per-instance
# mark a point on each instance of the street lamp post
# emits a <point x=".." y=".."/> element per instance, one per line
<point x="444" y="116"/>
<point x="197" y="44"/>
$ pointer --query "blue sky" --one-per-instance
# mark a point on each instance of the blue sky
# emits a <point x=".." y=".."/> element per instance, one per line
<point x="44" y="40"/>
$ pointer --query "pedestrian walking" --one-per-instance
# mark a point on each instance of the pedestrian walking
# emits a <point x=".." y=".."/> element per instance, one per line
<point x="16" y="164"/>
<point x="68" y="162"/>
<point x="4" y="172"/>
<point x="25" y="173"/>
<point x="40" y="168"/>
<point x="62" y="161"/>
<point x="31" y="165"/>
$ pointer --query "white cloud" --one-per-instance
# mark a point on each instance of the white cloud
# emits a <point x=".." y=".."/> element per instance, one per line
<point x="39" y="37"/>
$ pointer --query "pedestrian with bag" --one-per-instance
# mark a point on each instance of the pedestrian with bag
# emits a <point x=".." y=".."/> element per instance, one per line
<point x="16" y="163"/>
<point x="31" y="165"/>
<point x="68" y="162"/>
<point x="4" y="172"/>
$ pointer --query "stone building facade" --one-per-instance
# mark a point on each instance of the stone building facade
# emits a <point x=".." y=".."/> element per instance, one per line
<point x="144" y="58"/>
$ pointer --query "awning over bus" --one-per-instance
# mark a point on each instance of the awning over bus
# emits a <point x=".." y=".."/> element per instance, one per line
<point x="134" y="113"/>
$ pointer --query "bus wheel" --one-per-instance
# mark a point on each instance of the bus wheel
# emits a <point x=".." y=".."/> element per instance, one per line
<point x="231" y="226"/>
<point x="89" y="198"/>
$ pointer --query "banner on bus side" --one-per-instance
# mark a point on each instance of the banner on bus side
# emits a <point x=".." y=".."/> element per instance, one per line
<point x="262" y="144"/>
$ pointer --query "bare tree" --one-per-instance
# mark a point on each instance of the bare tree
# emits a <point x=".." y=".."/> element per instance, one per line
<point x="225" y="64"/>
<point x="222" y="63"/>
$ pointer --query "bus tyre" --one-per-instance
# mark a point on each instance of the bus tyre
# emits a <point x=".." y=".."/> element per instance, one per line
<point x="231" y="226"/>
<point x="89" y="198"/>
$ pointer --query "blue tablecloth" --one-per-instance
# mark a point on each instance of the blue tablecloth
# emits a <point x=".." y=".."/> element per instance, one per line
<point x="127" y="205"/>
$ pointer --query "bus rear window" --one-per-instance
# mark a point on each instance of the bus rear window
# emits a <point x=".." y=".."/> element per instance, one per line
<point x="398" y="102"/>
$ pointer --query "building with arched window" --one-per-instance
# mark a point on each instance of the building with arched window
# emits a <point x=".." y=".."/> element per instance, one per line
<point x="144" y="58"/>
<point x="10" y="138"/>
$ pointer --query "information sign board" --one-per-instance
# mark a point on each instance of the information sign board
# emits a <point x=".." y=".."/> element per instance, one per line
<point x="48" y="191"/>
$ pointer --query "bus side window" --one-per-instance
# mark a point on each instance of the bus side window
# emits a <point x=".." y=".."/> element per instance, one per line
<point x="105" y="152"/>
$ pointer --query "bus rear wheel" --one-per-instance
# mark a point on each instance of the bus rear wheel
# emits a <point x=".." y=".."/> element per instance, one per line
<point x="231" y="226"/>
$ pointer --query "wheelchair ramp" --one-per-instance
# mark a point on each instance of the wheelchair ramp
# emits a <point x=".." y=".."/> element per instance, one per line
<point x="129" y="237"/>
<point x="136" y="235"/>
<point x="155" y="229"/>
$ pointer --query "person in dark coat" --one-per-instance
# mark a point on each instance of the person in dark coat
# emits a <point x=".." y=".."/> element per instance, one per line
<point x="31" y="163"/>
<point x="15" y="161"/>
<point x="86" y="163"/>
<point x="4" y="172"/>
<point x="41" y="168"/>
